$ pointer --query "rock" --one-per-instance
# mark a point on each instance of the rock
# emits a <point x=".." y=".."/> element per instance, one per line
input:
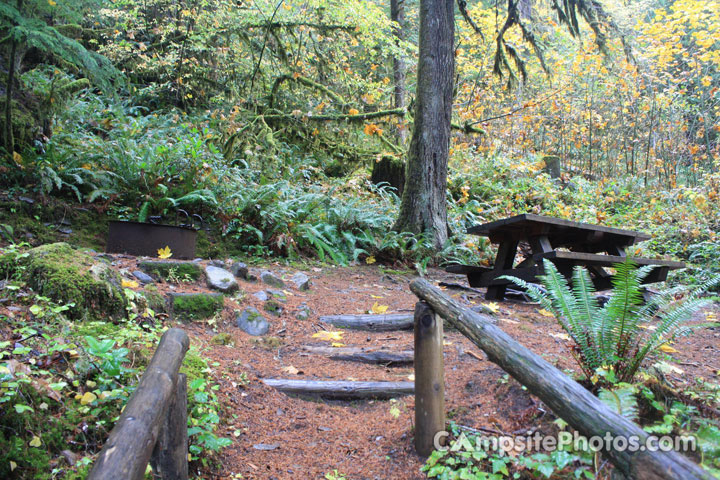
<point x="194" y="306"/>
<point x="301" y="281"/>
<point x="240" y="270"/>
<point x="278" y="295"/>
<point x="172" y="271"/>
<point x="217" y="263"/>
<point x="251" y="277"/>
<point x="27" y="200"/>
<point x="261" y="295"/>
<point x="70" y="457"/>
<point x="252" y="322"/>
<point x="143" y="277"/>
<point x="273" y="307"/>
<point x="272" y="280"/>
<point x="67" y="275"/>
<point x="266" y="446"/>
<point x="303" y="312"/>
<point x="65" y="230"/>
<point x="220" y="279"/>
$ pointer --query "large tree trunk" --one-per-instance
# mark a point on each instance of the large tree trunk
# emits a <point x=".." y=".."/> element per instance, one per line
<point x="423" y="208"/>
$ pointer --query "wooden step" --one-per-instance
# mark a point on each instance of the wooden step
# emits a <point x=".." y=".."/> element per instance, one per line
<point x="376" y="323"/>
<point x="345" y="390"/>
<point x="363" y="355"/>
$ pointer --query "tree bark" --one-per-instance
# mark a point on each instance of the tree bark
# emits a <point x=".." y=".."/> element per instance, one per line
<point x="397" y="15"/>
<point x="376" y="323"/>
<point x="9" y="138"/>
<point x="424" y="208"/>
<point x="354" y="354"/>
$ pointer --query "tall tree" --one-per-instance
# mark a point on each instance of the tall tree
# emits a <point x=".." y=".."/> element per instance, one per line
<point x="397" y="15"/>
<point x="423" y="208"/>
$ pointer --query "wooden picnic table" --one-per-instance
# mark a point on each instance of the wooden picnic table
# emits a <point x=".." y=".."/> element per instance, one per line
<point x="565" y="243"/>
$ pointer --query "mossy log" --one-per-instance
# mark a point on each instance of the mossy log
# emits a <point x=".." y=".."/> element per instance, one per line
<point x="569" y="400"/>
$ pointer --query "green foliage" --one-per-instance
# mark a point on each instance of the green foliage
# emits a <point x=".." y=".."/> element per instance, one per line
<point x="461" y="461"/>
<point x="614" y="337"/>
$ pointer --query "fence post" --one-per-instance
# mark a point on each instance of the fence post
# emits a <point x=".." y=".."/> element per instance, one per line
<point x="429" y="378"/>
<point x="170" y="458"/>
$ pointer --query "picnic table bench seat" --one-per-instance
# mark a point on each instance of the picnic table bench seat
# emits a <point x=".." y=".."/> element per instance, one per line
<point x="565" y="243"/>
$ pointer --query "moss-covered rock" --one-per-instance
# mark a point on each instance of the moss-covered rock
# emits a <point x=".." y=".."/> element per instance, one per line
<point x="172" y="271"/>
<point x="194" y="306"/>
<point x="155" y="299"/>
<point x="68" y="276"/>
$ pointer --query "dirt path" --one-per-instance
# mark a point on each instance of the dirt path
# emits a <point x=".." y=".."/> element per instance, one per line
<point x="280" y="437"/>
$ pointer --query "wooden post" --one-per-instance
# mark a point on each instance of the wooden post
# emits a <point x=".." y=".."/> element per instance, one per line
<point x="569" y="400"/>
<point x="429" y="378"/>
<point x="131" y="443"/>
<point x="169" y="460"/>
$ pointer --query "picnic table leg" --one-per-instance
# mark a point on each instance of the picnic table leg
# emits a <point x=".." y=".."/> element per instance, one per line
<point x="504" y="260"/>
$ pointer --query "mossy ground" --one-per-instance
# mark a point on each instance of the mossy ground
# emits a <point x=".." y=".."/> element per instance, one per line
<point x="69" y="276"/>
<point x="172" y="271"/>
<point x="195" y="306"/>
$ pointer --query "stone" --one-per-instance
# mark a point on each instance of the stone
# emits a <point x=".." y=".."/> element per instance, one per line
<point x="217" y="263"/>
<point x="303" y="312"/>
<point x="252" y="322"/>
<point x="301" y="281"/>
<point x="273" y="308"/>
<point x="272" y="280"/>
<point x="143" y="277"/>
<point x="261" y="295"/>
<point x="240" y="270"/>
<point x="220" y="279"/>
<point x="194" y="306"/>
<point x="172" y="270"/>
<point x="278" y="295"/>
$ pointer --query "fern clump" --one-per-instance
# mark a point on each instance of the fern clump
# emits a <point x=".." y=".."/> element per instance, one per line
<point x="620" y="335"/>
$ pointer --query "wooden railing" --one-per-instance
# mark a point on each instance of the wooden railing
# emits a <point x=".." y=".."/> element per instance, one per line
<point x="153" y="426"/>
<point x="569" y="400"/>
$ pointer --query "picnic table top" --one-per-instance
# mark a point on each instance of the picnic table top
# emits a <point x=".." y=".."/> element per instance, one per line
<point x="559" y="231"/>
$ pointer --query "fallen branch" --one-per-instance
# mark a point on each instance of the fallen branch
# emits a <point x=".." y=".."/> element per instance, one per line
<point x="377" y="323"/>
<point x="341" y="389"/>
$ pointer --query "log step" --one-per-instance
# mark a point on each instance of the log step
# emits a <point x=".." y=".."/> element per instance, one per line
<point x="342" y="390"/>
<point x="354" y="354"/>
<point x="375" y="323"/>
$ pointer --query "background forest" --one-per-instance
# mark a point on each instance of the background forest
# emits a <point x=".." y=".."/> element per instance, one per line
<point x="286" y="124"/>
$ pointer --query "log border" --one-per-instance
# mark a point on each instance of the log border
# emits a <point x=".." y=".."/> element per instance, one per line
<point x="154" y="421"/>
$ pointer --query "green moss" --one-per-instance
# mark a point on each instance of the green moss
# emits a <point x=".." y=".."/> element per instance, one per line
<point x="273" y="307"/>
<point x="195" y="306"/>
<point x="194" y="366"/>
<point x="69" y="276"/>
<point x="222" y="339"/>
<point x="268" y="343"/>
<point x="172" y="271"/>
<point x="154" y="298"/>
<point x="217" y="246"/>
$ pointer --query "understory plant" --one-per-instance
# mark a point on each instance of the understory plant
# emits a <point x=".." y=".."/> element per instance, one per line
<point x="621" y="334"/>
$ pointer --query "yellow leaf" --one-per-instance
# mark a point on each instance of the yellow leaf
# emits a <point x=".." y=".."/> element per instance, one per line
<point x="376" y="296"/>
<point x="492" y="306"/>
<point x="710" y="317"/>
<point x="379" y="309"/>
<point x="164" y="252"/>
<point x="337" y="344"/>
<point x="129" y="283"/>
<point x="52" y="3"/>
<point x="667" y="348"/>
<point x="545" y="313"/>
<point x="370" y="260"/>
<point x="353" y="111"/>
<point x="13" y="465"/>
<point x="88" y="397"/>
<point x="35" y="442"/>
<point x="561" y="336"/>
<point x="327" y="335"/>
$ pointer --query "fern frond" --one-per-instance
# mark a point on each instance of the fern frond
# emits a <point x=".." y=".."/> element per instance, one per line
<point x="621" y="399"/>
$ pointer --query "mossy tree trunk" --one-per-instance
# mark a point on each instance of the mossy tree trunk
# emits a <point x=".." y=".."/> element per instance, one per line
<point x="9" y="140"/>
<point x="423" y="208"/>
<point x="397" y="15"/>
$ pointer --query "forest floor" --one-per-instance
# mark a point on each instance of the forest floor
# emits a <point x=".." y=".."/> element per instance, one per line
<point x="276" y="436"/>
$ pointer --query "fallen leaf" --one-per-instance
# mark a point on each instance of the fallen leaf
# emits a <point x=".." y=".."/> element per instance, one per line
<point x="327" y="335"/>
<point x="492" y="306"/>
<point x="370" y="260"/>
<point x="35" y="442"/>
<point x="508" y="320"/>
<point x="291" y="370"/>
<point x="561" y="336"/>
<point x="13" y="465"/>
<point x="378" y="309"/>
<point x="411" y="377"/>
<point x="88" y="397"/>
<point x="545" y="313"/>
<point x="667" y="348"/>
<point x="129" y="283"/>
<point x="164" y="252"/>
<point x="337" y="344"/>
